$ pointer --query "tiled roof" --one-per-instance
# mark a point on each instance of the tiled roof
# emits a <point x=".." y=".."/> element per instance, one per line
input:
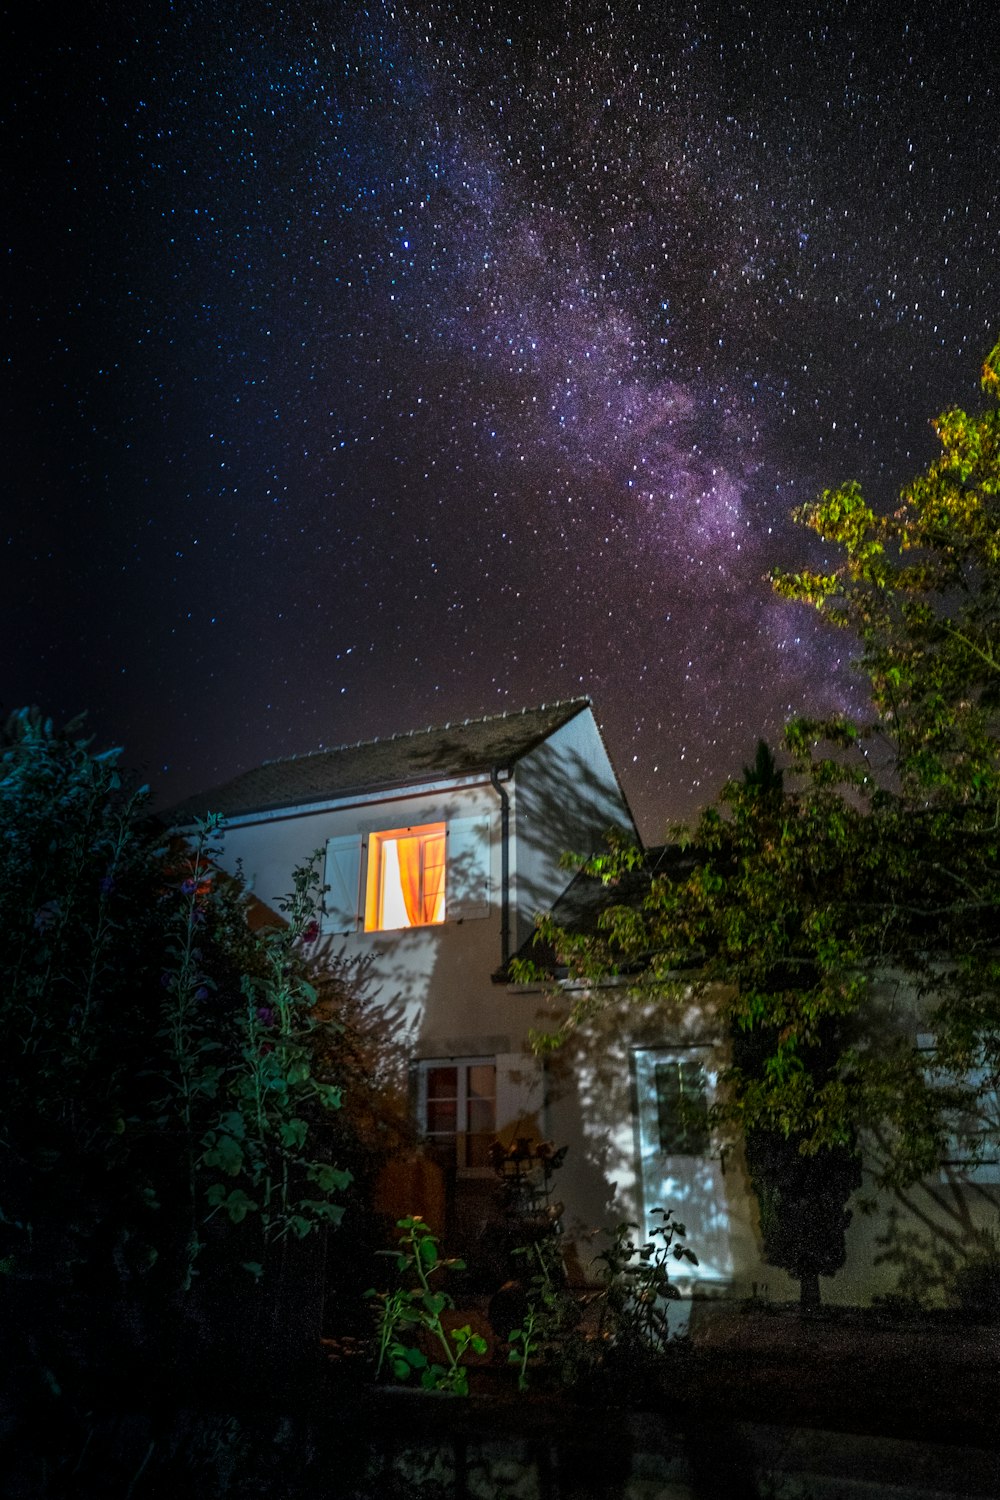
<point x="462" y="749"/>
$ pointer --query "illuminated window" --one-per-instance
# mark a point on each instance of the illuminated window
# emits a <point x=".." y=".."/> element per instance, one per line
<point x="393" y="879"/>
<point x="405" y="878"/>
<point x="458" y="1110"/>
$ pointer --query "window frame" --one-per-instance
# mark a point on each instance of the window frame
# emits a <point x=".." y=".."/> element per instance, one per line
<point x="469" y="878"/>
<point x="373" y="910"/>
<point x="424" y="1067"/>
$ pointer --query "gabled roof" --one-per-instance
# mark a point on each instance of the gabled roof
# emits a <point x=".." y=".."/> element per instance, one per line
<point x="454" y="750"/>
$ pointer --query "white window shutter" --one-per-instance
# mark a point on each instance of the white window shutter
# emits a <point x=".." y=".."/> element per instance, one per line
<point x="342" y="902"/>
<point x="468" y="869"/>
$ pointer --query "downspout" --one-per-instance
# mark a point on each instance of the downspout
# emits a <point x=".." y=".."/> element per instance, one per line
<point x="504" y="866"/>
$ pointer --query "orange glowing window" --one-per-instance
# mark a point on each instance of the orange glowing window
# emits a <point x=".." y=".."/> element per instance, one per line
<point x="405" y="878"/>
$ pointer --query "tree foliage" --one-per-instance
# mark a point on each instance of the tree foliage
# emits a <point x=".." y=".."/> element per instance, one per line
<point x="163" y="1115"/>
<point x="875" y="856"/>
<point x="920" y="589"/>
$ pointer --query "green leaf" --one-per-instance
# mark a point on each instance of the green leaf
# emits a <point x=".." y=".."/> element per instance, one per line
<point x="330" y="1179"/>
<point x="293" y="1133"/>
<point x="226" y="1154"/>
<point x="238" y="1205"/>
<point x="321" y="1209"/>
<point x="428" y="1252"/>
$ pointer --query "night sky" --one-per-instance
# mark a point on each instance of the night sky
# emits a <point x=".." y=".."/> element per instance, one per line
<point x="372" y="367"/>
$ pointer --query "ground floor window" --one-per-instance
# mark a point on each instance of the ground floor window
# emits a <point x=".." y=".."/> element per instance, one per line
<point x="681" y="1105"/>
<point x="457" y="1110"/>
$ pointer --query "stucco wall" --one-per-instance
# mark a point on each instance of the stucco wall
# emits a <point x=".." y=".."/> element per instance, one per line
<point x="904" y="1241"/>
<point x="436" y="979"/>
<point x="567" y="799"/>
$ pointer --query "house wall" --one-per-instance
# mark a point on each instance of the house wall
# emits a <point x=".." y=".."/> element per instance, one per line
<point x="910" y="1240"/>
<point x="436" y="979"/>
<point x="567" y="799"/>
<point x="903" y="1241"/>
<point x="610" y="1176"/>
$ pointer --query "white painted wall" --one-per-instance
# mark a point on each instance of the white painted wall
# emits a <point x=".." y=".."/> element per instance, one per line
<point x="438" y="977"/>
<point x="567" y="797"/>
<point x="906" y="1240"/>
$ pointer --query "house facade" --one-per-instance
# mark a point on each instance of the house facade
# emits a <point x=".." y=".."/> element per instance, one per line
<point x="439" y="848"/>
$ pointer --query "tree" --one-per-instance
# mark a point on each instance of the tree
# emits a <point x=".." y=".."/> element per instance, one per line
<point x="164" y="1123"/>
<point x="920" y="588"/>
<point x="883" y="856"/>
<point x="802" y="1195"/>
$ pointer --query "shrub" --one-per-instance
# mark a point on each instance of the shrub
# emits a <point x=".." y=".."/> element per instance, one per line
<point x="163" y="1118"/>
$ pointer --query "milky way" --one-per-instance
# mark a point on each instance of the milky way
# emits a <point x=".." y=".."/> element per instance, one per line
<point x="375" y="367"/>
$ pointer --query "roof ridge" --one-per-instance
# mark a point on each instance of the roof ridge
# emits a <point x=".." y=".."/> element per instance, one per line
<point x="409" y="734"/>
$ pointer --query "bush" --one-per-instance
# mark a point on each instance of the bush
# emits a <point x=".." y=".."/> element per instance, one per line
<point x="165" y="1128"/>
<point x="975" y="1287"/>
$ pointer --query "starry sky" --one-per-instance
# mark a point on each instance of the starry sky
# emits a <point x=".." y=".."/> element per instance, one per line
<point x="372" y="366"/>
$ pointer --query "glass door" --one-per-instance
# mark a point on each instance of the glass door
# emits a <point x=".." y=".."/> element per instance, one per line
<point x="678" y="1170"/>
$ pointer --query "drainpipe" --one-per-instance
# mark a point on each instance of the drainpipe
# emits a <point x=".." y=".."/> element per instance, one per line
<point x="504" y="866"/>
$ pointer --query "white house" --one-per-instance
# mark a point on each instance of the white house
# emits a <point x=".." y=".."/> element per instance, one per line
<point x="439" y="848"/>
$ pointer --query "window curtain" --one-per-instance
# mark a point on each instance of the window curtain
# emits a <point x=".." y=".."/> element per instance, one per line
<point x="410" y="859"/>
<point x="421" y="876"/>
<point x="434" y="877"/>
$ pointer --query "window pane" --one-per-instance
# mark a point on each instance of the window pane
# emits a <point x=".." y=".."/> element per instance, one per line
<point x="482" y="1119"/>
<point x="406" y="884"/>
<point x="482" y="1081"/>
<point x="682" y="1107"/>
<point x="442" y="1116"/>
<point x="392" y="907"/>
<point x="442" y="1083"/>
<point x="432" y="873"/>
<point x="460" y="1111"/>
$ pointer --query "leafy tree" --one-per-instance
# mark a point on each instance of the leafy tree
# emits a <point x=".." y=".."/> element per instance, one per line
<point x="801" y="1195"/>
<point x="164" y="1127"/>
<point x="755" y="916"/>
<point x="782" y="908"/>
<point x="920" y="588"/>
